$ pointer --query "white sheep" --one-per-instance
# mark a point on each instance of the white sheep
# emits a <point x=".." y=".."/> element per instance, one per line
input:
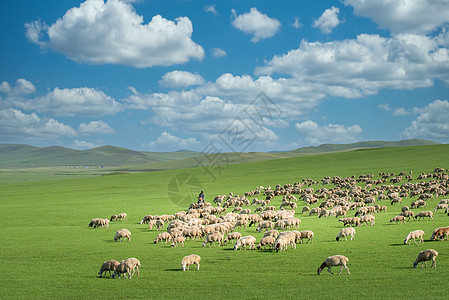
<point x="212" y="238"/>
<point x="266" y="241"/>
<point x="163" y="236"/>
<point x="336" y="260"/>
<point x="344" y="232"/>
<point x="133" y="264"/>
<point x="265" y="225"/>
<point x="417" y="234"/>
<point x="274" y="233"/>
<point x="122" y="268"/>
<point x="108" y="265"/>
<point x="178" y="240"/>
<point x="190" y="260"/>
<point x="306" y="234"/>
<point x="159" y="224"/>
<point x="232" y="236"/>
<point x="441" y="206"/>
<point x="397" y="219"/>
<point x="424" y="256"/>
<point x="248" y="240"/>
<point x="424" y="214"/>
<point x="122" y="234"/>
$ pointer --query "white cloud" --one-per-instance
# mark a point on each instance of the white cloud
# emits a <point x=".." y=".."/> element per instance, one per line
<point x="113" y="33"/>
<point x="73" y="102"/>
<point x="22" y="87"/>
<point x="18" y="126"/>
<point x="168" y="141"/>
<point x="218" y="52"/>
<point x="297" y="24"/>
<point x="95" y="127"/>
<point x="314" y="134"/>
<point x="257" y="24"/>
<point x="431" y="123"/>
<point x="362" y="66"/>
<point x="404" y="16"/>
<point x="81" y="145"/>
<point x="181" y="79"/>
<point x="210" y="9"/>
<point x="328" y="20"/>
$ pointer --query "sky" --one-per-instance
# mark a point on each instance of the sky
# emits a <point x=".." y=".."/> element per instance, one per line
<point x="222" y="76"/>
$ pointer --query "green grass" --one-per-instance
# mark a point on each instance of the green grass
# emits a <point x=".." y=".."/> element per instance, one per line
<point x="48" y="251"/>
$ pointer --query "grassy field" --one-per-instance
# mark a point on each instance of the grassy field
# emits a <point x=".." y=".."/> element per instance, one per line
<point x="48" y="251"/>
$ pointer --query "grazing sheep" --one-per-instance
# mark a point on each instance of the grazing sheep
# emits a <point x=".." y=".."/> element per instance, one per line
<point x="122" y="268"/>
<point x="408" y="214"/>
<point x="397" y="219"/>
<point x="241" y="224"/>
<point x="159" y="224"/>
<point x="266" y="241"/>
<point x="440" y="233"/>
<point x="232" y="236"/>
<point x="425" y="256"/>
<point x="146" y="219"/>
<point x="245" y="241"/>
<point x="178" y="240"/>
<point x="368" y="219"/>
<point x="265" y="225"/>
<point x="344" y="232"/>
<point x="306" y="234"/>
<point x="336" y="260"/>
<point x="212" y="238"/>
<point x="122" y="234"/>
<point x="305" y="209"/>
<point x="190" y="260"/>
<point x="108" y="265"/>
<point x="424" y="214"/>
<point x="417" y="234"/>
<point x="119" y="216"/>
<point x="405" y="208"/>
<point x="274" y="233"/>
<point x="285" y="239"/>
<point x="163" y="236"/>
<point x="133" y="264"/>
<point x="441" y="206"/>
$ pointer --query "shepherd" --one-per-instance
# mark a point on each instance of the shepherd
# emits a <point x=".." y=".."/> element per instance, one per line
<point x="201" y="197"/>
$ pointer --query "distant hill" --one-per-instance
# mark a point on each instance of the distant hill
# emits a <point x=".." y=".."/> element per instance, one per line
<point x="326" y="148"/>
<point x="25" y="156"/>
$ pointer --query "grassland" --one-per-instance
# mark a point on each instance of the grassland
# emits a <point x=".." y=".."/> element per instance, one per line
<point x="48" y="251"/>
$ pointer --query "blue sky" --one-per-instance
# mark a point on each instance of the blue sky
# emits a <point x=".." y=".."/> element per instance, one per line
<point x="223" y="76"/>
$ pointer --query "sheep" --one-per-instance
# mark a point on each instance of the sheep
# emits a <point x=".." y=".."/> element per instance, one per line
<point x="397" y="219"/>
<point x="146" y="219"/>
<point x="232" y="236"/>
<point x="285" y="239"/>
<point x="267" y="240"/>
<point x="119" y="216"/>
<point x="408" y="214"/>
<point x="122" y="234"/>
<point x="212" y="238"/>
<point x="306" y="234"/>
<point x="305" y="209"/>
<point x="424" y="256"/>
<point x="159" y="224"/>
<point x="163" y="236"/>
<point x="108" y="265"/>
<point x="122" y="268"/>
<point x="439" y="233"/>
<point x="265" y="225"/>
<point x="178" y="240"/>
<point x="95" y="223"/>
<point x="133" y="264"/>
<point x="344" y="232"/>
<point x="351" y="221"/>
<point x="417" y="234"/>
<point x="336" y="260"/>
<point x="241" y="224"/>
<point x="274" y="233"/>
<point x="405" y="208"/>
<point x="424" y="214"/>
<point x="245" y="241"/>
<point x="368" y="219"/>
<point x="441" y="206"/>
<point x="190" y="260"/>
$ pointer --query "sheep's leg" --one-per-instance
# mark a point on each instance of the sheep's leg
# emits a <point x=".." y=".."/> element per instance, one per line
<point x="198" y="266"/>
<point x="434" y="263"/>
<point x="329" y="269"/>
<point x="415" y="241"/>
<point x="341" y="268"/>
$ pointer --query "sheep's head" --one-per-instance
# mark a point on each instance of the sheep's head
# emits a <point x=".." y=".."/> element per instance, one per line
<point x="318" y="271"/>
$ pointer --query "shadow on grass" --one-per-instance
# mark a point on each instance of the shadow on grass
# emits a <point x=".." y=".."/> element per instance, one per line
<point x="173" y="270"/>
<point x="395" y="245"/>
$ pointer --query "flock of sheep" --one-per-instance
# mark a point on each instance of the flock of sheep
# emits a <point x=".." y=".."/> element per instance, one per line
<point x="202" y="221"/>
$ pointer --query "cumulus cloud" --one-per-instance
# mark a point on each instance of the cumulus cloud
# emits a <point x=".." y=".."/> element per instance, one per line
<point x="17" y="126"/>
<point x="328" y="20"/>
<point x="112" y="32"/>
<point x="22" y="87"/>
<point x="168" y="141"/>
<point x="218" y="52"/>
<point x="73" y="102"/>
<point x="362" y="66"/>
<point x="95" y="127"/>
<point x="181" y="79"/>
<point x="210" y="9"/>
<point x="411" y="16"/>
<point x="431" y="123"/>
<point x="314" y="134"/>
<point x="256" y="23"/>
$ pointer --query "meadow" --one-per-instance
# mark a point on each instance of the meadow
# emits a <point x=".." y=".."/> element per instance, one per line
<point x="48" y="251"/>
